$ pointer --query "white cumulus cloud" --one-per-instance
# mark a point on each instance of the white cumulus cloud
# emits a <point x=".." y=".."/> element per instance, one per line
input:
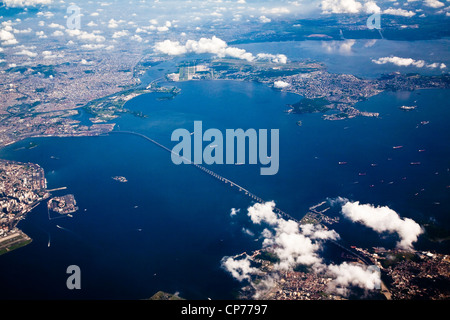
<point x="26" y="52"/>
<point x="349" y="6"/>
<point x="399" y="12"/>
<point x="341" y="6"/>
<point x="26" y="3"/>
<point x="280" y="84"/>
<point x="434" y="3"/>
<point x="7" y="37"/>
<point x="383" y="219"/>
<point x="240" y="269"/>
<point x="346" y="275"/>
<point x="264" y="19"/>
<point x="293" y="244"/>
<point x="406" y="62"/>
<point x="120" y="34"/>
<point x="214" y="46"/>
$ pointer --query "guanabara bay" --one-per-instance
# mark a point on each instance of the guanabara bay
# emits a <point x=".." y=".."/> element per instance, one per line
<point x="241" y="151"/>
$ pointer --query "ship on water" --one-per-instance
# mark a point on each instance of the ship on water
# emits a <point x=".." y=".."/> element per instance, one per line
<point x="408" y="108"/>
<point x="397" y="147"/>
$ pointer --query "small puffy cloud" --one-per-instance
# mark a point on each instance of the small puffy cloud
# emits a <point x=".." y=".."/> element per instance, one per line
<point x="275" y="58"/>
<point x="280" y="84"/>
<point x="28" y="30"/>
<point x="341" y="6"/>
<point x="353" y="275"/>
<point x="85" y="36"/>
<point x="7" y="37"/>
<point x="406" y="62"/>
<point x="92" y="46"/>
<point x="26" y="52"/>
<point x="46" y="14"/>
<point x="275" y="10"/>
<point x="172" y="48"/>
<point x="137" y="38"/>
<point x="434" y="3"/>
<point x="26" y="3"/>
<point x="112" y="23"/>
<point x="56" y="26"/>
<point x="50" y="55"/>
<point x="349" y="6"/>
<point x="401" y="62"/>
<point x="234" y="211"/>
<point x="264" y="19"/>
<point x="436" y="65"/>
<point x="58" y="33"/>
<point x="162" y="29"/>
<point x="41" y="34"/>
<point x="383" y="219"/>
<point x="120" y="34"/>
<point x="371" y="7"/>
<point x="399" y="12"/>
<point x="240" y="269"/>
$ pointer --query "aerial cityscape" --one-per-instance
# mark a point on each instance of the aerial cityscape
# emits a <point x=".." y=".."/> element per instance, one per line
<point x="102" y="165"/>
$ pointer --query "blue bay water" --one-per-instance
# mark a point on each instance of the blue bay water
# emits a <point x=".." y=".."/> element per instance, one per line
<point x="168" y="227"/>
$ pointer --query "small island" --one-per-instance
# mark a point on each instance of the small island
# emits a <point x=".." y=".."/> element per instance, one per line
<point x="161" y="295"/>
<point x="63" y="205"/>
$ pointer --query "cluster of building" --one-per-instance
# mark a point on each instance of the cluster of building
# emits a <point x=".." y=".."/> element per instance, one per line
<point x="303" y="286"/>
<point x="412" y="274"/>
<point x="49" y="85"/>
<point x="337" y="88"/>
<point x="22" y="186"/>
<point x="34" y="92"/>
<point x="426" y="278"/>
<point x="286" y="284"/>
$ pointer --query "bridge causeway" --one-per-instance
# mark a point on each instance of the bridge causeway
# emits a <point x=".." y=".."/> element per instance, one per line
<point x="232" y="184"/>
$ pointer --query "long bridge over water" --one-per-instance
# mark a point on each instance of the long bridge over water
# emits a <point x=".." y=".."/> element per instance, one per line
<point x="210" y="172"/>
<point x="232" y="184"/>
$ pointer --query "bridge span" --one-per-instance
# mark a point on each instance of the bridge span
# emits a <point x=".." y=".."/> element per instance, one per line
<point x="209" y="172"/>
<point x="234" y="184"/>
